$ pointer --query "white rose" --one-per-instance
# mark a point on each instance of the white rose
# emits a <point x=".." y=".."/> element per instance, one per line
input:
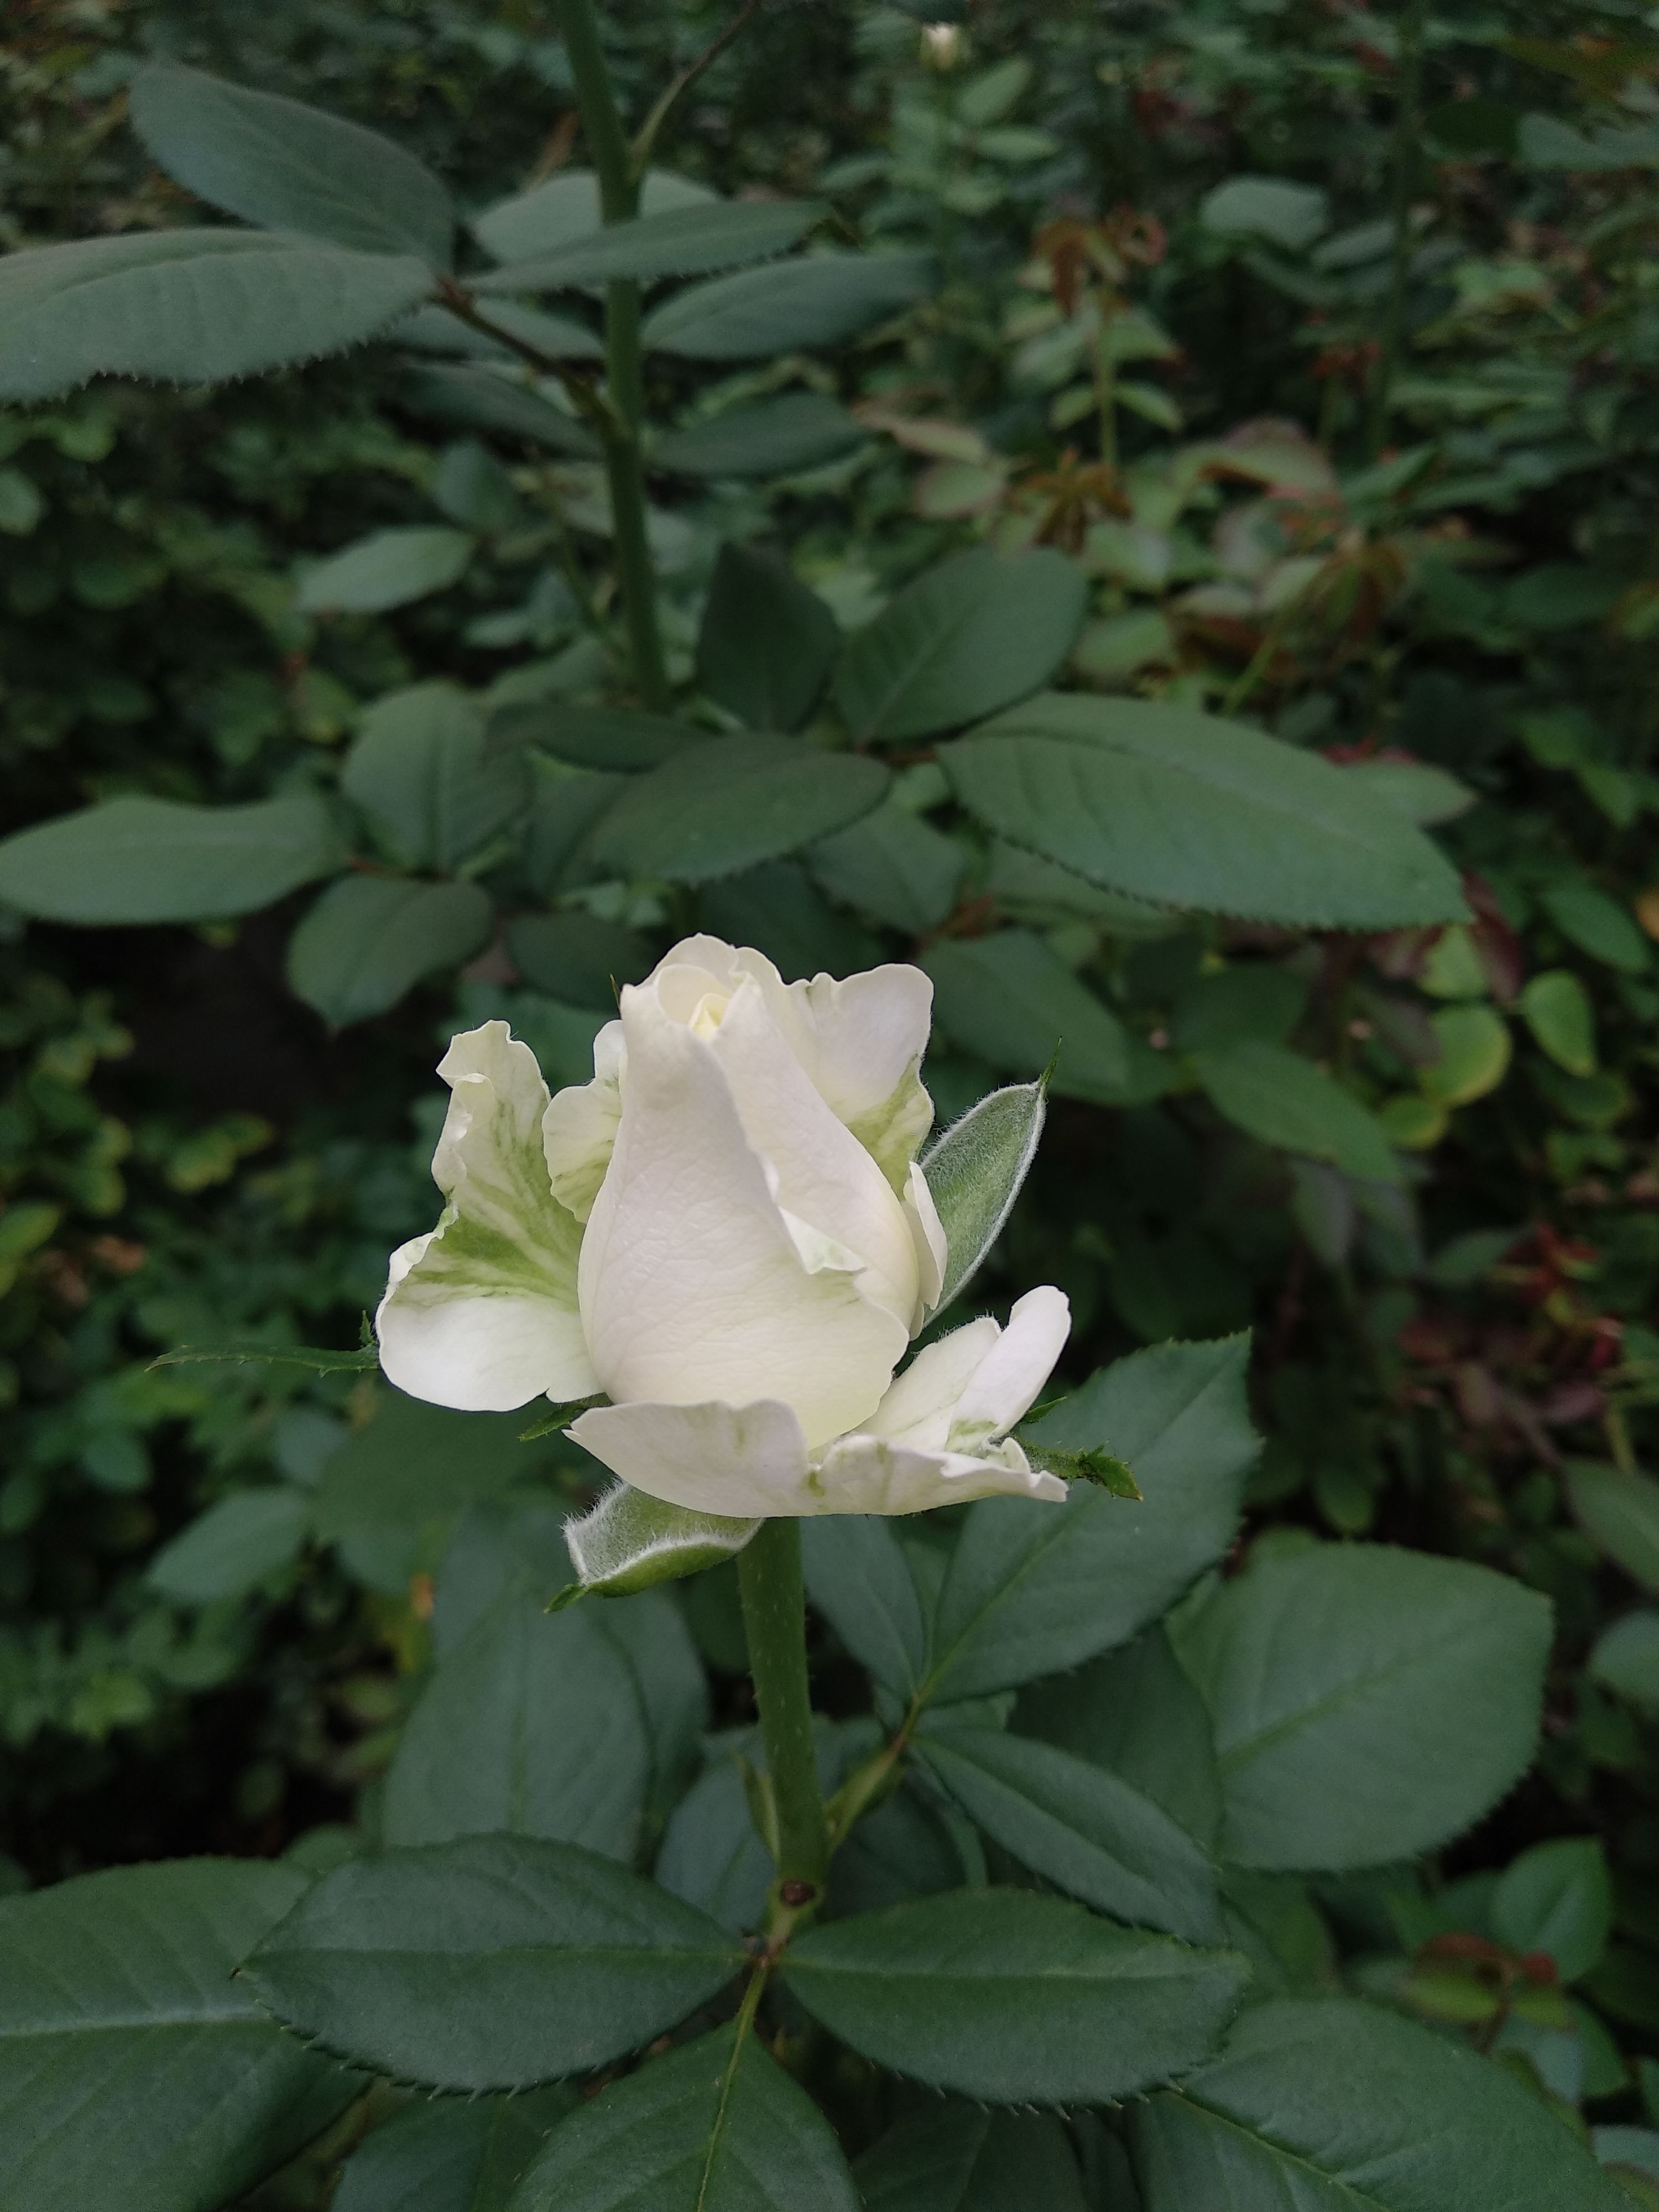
<point x="726" y="1233"/>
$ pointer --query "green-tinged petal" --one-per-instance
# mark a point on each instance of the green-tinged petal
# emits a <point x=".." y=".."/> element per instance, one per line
<point x="578" y="1129"/>
<point x="1009" y="1380"/>
<point x="892" y="1131"/>
<point x="963" y="1389"/>
<point x="482" y="1313"/>
<point x="932" y="1248"/>
<point x="922" y="1403"/>
<point x="631" y="1541"/>
<point x="744" y="1462"/>
<point x="873" y="1474"/>
<point x="930" y="1441"/>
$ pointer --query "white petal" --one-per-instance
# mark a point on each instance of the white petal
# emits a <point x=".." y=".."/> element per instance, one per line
<point x="873" y="1474"/>
<point x="822" y="1174"/>
<point x="742" y="1461"/>
<point x="859" y="1041"/>
<point x="1009" y="1380"/>
<point x="932" y="1252"/>
<point x="691" y="1285"/>
<point x="482" y="1313"/>
<point x="922" y="1403"/>
<point x="579" y="1128"/>
<point x="964" y="1388"/>
<point x="484" y="1354"/>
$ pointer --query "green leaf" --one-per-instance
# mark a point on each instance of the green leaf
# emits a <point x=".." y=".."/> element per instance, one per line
<point x="975" y="1170"/>
<point x="778" y="909"/>
<point x="1282" y="1099"/>
<point x="814" y="301"/>
<point x="1423" y="794"/>
<point x="649" y="1629"/>
<point x="412" y="1463"/>
<point x="1015" y="1998"/>
<point x="369" y="939"/>
<point x="724" y="804"/>
<point x="127" y="2049"/>
<point x="1136" y="1712"/>
<point x="1626" y="1659"/>
<point x="715" y="2127"/>
<point x="233" y="1546"/>
<point x="1619" y="1514"/>
<point x="1190" y="811"/>
<point x="1556" y="1897"/>
<point x="1556" y="1007"/>
<point x="288" y="166"/>
<point x="480" y="400"/>
<point x="893" y="867"/>
<point x="493" y="1962"/>
<point x="1010" y="999"/>
<point x="1254" y="1003"/>
<point x="1633" y="2154"/>
<point x="419" y="769"/>
<point x="1475" y="1054"/>
<point x="767" y="643"/>
<point x="1329" y="2103"/>
<point x="1272" y="207"/>
<point x="192" y="307"/>
<point x="531" y="1725"/>
<point x="1598" y="924"/>
<point x="968" y="636"/>
<point x="859" y="1578"/>
<point x="630" y="1541"/>
<point x="505" y="1548"/>
<point x="713" y="1854"/>
<point x="388" y="569"/>
<point x="578" y="958"/>
<point x="1082" y="1829"/>
<point x="683" y="242"/>
<point x="611" y="738"/>
<point x="450" y="2155"/>
<point x="960" y="2158"/>
<point x="1318" y="1669"/>
<point x="773" y="437"/>
<point x="155" y="859"/>
<point x="1034" y="1587"/>
<point x="550" y="216"/>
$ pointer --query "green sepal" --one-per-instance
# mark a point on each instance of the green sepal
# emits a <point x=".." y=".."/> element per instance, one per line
<point x="630" y="1540"/>
<point x="974" y="1173"/>
<point x="559" y="1416"/>
<point x="320" y="1362"/>
<point x="1100" y="1468"/>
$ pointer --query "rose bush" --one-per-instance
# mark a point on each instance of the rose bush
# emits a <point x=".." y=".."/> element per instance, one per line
<point x="728" y="1234"/>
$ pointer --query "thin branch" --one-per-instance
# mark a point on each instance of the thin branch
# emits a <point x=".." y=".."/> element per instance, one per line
<point x="584" y="394"/>
<point x="639" y="153"/>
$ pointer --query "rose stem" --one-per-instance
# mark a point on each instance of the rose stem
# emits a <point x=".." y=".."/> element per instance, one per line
<point x="774" y="1619"/>
<point x="619" y="197"/>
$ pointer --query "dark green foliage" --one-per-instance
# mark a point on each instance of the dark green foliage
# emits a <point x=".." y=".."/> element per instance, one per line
<point x="1318" y="885"/>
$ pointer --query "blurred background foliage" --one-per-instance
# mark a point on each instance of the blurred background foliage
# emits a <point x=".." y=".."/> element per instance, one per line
<point x="1322" y="341"/>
